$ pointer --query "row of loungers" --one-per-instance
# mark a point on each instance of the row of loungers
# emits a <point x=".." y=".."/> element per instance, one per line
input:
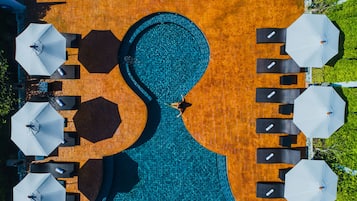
<point x="286" y="97"/>
<point x="61" y="169"/>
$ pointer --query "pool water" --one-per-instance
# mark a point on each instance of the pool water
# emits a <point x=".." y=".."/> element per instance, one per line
<point x="167" y="61"/>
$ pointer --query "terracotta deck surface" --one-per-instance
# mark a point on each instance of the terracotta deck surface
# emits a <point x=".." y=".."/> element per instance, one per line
<point x="222" y="117"/>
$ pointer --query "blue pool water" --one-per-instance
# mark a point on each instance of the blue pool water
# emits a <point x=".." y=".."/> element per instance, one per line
<point x="163" y="60"/>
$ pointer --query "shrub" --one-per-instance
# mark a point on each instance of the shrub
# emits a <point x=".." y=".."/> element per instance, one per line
<point x="7" y="95"/>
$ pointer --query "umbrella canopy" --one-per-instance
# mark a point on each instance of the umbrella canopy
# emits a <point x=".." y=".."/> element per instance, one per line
<point x="39" y="187"/>
<point x="97" y="119"/>
<point x="312" y="40"/>
<point x="98" y="51"/>
<point x="40" y="49"/>
<point x="37" y="128"/>
<point x="319" y="111"/>
<point x="310" y="180"/>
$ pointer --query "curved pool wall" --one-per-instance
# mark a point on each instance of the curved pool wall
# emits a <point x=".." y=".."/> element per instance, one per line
<point x="161" y="57"/>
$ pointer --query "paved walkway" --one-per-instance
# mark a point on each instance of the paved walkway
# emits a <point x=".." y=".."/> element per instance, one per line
<point x="222" y="117"/>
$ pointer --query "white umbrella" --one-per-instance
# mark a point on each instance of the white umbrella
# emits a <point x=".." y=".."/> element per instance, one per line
<point x="37" y="128"/>
<point x="312" y="40"/>
<point x="319" y="111"/>
<point x="39" y="187"/>
<point x="310" y="180"/>
<point x="40" y="49"/>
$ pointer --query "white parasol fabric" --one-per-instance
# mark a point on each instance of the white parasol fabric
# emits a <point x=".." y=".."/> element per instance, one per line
<point x="40" y="49"/>
<point x="37" y="128"/>
<point x="312" y="40"/>
<point x="39" y="187"/>
<point x="310" y="180"/>
<point x="319" y="111"/>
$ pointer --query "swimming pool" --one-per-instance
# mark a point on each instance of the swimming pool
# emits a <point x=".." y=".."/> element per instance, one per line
<point x="163" y="56"/>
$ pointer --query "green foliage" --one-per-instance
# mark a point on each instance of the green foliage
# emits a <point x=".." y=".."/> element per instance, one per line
<point x="341" y="149"/>
<point x="343" y="70"/>
<point x="318" y="75"/>
<point x="6" y="93"/>
<point x="321" y="6"/>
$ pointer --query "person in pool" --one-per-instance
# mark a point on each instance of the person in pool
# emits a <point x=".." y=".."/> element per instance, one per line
<point x="180" y="106"/>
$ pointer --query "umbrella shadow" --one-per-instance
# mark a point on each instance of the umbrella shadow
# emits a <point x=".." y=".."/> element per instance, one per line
<point x="125" y="175"/>
<point x="98" y="51"/>
<point x="37" y="11"/>
<point x="341" y="48"/>
<point x="90" y="178"/>
<point x="97" y="119"/>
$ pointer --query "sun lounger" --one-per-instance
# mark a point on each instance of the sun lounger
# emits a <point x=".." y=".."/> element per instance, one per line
<point x="70" y="139"/>
<point x="59" y="102"/>
<point x="286" y="109"/>
<point x="277" y="95"/>
<point x="287" y="140"/>
<point x="282" y="50"/>
<point x="281" y="155"/>
<point x="271" y="35"/>
<point x="271" y="65"/>
<point x="275" y="125"/>
<point x="65" y="102"/>
<point x="67" y="72"/>
<point x="270" y="190"/>
<point x="63" y="72"/>
<point x="72" y="40"/>
<point x="72" y="196"/>
<point x="57" y="169"/>
<point x="288" y="79"/>
<point x="282" y="173"/>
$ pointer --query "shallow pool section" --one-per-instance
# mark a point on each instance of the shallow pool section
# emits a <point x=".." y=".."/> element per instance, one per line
<point x="163" y="56"/>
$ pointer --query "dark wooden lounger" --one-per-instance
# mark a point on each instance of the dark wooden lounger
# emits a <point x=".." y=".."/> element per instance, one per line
<point x="270" y="190"/>
<point x="288" y="79"/>
<point x="72" y="196"/>
<point x="277" y="95"/>
<point x="281" y="155"/>
<point x="272" y="65"/>
<point x="276" y="125"/>
<point x="59" y="102"/>
<point x="271" y="35"/>
<point x="65" y="102"/>
<point x="69" y="72"/>
<point x="72" y="40"/>
<point x="70" y="139"/>
<point x="69" y="169"/>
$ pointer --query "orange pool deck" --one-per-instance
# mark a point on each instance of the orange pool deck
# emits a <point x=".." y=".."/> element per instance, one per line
<point x="223" y="112"/>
